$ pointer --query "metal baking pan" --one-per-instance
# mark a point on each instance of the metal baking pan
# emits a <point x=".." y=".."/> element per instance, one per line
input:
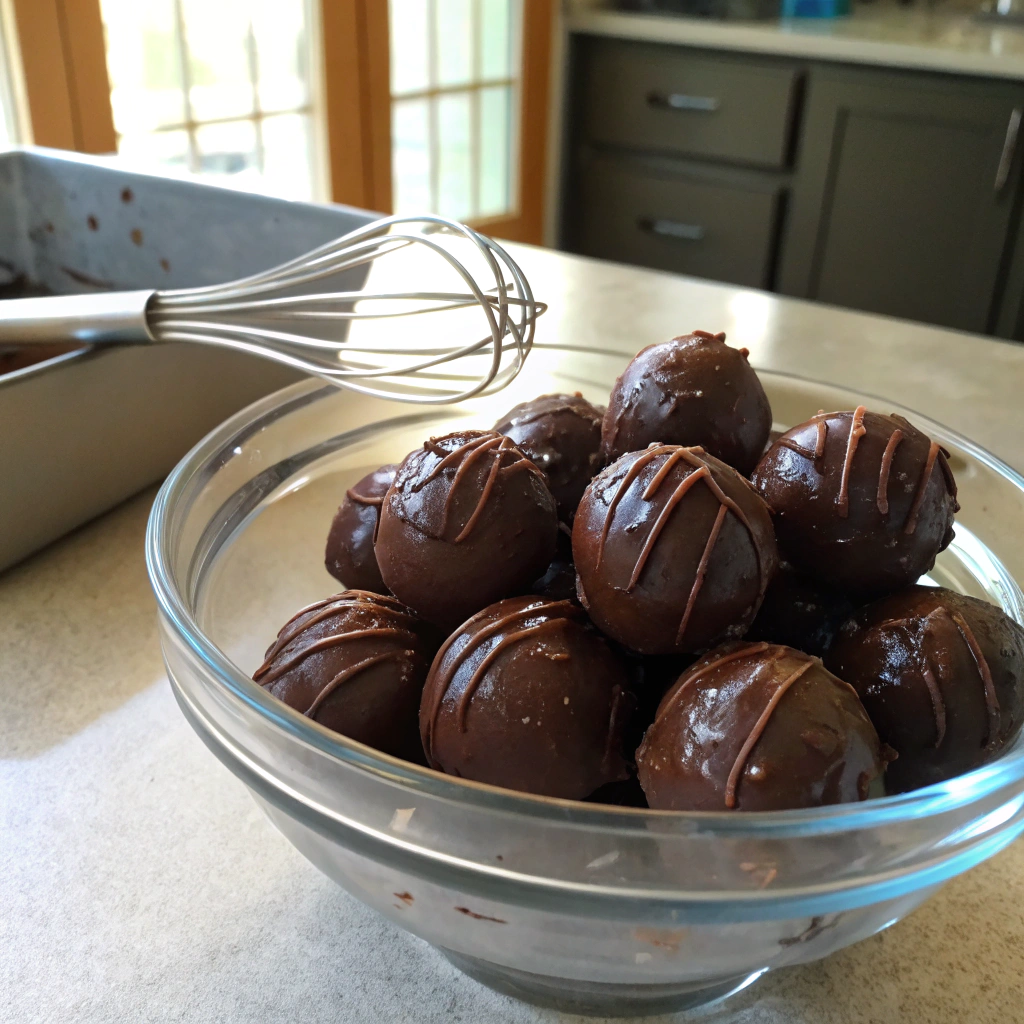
<point x="84" y="430"/>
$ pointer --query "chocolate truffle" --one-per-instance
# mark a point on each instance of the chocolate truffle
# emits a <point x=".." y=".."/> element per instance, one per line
<point x="861" y="501"/>
<point x="355" y="663"/>
<point x="349" y="557"/>
<point x="559" y="581"/>
<point x="693" y="390"/>
<point x="800" y="612"/>
<point x="758" y="727"/>
<point x="528" y="696"/>
<point x="561" y="434"/>
<point x="468" y="519"/>
<point x="941" y="676"/>
<point x="673" y="551"/>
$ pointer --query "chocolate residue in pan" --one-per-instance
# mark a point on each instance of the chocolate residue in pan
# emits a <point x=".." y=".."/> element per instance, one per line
<point x="165" y="266"/>
<point x="479" y="917"/>
<point x="136" y="236"/>
<point x="127" y="195"/>
<point x="87" y="279"/>
<point x="405" y="897"/>
<point x="94" y="224"/>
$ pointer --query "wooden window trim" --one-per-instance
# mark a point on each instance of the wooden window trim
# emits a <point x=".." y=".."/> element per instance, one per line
<point x="64" y="70"/>
<point x="67" y="93"/>
<point x="359" y="45"/>
<point x="357" y="101"/>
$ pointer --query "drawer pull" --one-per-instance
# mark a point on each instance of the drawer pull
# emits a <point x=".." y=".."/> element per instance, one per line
<point x="672" y="228"/>
<point x="681" y="101"/>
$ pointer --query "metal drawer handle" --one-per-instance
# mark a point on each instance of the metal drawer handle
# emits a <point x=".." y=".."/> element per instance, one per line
<point x="681" y="101"/>
<point x="1009" y="149"/>
<point x="672" y="228"/>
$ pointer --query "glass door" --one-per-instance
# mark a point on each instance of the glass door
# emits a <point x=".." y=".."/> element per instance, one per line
<point x="221" y="89"/>
<point x="463" y="75"/>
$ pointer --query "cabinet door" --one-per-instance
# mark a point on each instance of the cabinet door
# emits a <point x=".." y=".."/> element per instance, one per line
<point x="657" y="216"/>
<point x="903" y="195"/>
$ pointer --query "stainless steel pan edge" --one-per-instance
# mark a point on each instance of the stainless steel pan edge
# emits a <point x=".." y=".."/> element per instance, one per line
<point x="83" y="431"/>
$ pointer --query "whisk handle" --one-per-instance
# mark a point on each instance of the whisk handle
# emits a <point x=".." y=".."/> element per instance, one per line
<point x="102" y="317"/>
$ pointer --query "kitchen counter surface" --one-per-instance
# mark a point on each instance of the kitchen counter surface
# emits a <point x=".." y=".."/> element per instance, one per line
<point x="948" y="41"/>
<point x="138" y="881"/>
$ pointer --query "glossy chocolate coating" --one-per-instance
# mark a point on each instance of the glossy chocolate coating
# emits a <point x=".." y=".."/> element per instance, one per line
<point x="758" y="727"/>
<point x="800" y="612"/>
<point x="355" y="663"/>
<point x="673" y="551"/>
<point x="693" y="390"/>
<point x="942" y="677"/>
<point x="349" y="556"/>
<point x="861" y="501"/>
<point x="528" y="696"/>
<point x="469" y="519"/>
<point x="559" y="581"/>
<point x="561" y="434"/>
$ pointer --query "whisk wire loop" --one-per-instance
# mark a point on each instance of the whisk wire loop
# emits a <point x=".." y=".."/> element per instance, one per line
<point x="254" y="314"/>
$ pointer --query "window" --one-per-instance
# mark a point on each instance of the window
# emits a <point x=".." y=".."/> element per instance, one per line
<point x="9" y="133"/>
<point x="220" y="88"/>
<point x="455" y="75"/>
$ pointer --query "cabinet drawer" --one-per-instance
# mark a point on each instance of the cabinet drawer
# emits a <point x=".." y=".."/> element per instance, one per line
<point x="634" y="214"/>
<point x="665" y="98"/>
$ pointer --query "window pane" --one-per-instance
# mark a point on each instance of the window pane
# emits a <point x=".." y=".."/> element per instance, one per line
<point x="220" y="53"/>
<point x="237" y="59"/>
<point x="409" y="43"/>
<point x="495" y="151"/>
<point x="282" y="54"/>
<point x="287" y="155"/>
<point x="227" y="153"/>
<point x="454" y="42"/>
<point x="8" y="118"/>
<point x="167" y="151"/>
<point x="454" y="158"/>
<point x="410" y="156"/>
<point x="143" y="64"/>
<point x="496" y="38"/>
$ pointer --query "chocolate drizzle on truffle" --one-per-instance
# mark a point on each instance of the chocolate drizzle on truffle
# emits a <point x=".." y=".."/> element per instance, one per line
<point x="660" y="510"/>
<point x="497" y="627"/>
<point x="867" y="515"/>
<point x="942" y="677"/>
<point x="527" y="695"/>
<point x="882" y="501"/>
<point x="561" y="434"/>
<point x="758" y="727"/>
<point x="468" y="520"/>
<point x="498" y="446"/>
<point x="857" y="431"/>
<point x="356" y="641"/>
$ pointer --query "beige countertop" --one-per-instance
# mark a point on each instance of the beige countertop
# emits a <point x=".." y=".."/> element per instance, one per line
<point x="888" y="36"/>
<point x="138" y="881"/>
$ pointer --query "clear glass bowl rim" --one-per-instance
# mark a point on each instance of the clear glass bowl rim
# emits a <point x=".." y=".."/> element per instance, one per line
<point x="201" y="462"/>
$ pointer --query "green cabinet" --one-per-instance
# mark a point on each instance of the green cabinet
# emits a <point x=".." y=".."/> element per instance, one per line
<point x="904" y="195"/>
<point x="891" y="192"/>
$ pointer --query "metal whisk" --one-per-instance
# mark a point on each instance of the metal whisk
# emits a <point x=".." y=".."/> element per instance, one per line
<point x="264" y="315"/>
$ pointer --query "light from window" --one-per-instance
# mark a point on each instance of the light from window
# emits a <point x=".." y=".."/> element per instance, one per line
<point x="9" y="134"/>
<point x="219" y="88"/>
<point x="455" y="70"/>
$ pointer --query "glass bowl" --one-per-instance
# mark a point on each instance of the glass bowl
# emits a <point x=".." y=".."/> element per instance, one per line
<point x="582" y="907"/>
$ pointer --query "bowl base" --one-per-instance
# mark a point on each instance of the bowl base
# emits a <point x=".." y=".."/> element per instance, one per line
<point x="595" y="998"/>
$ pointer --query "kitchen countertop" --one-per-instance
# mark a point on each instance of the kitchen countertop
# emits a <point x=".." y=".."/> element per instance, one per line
<point x="138" y="881"/>
<point x="888" y="36"/>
